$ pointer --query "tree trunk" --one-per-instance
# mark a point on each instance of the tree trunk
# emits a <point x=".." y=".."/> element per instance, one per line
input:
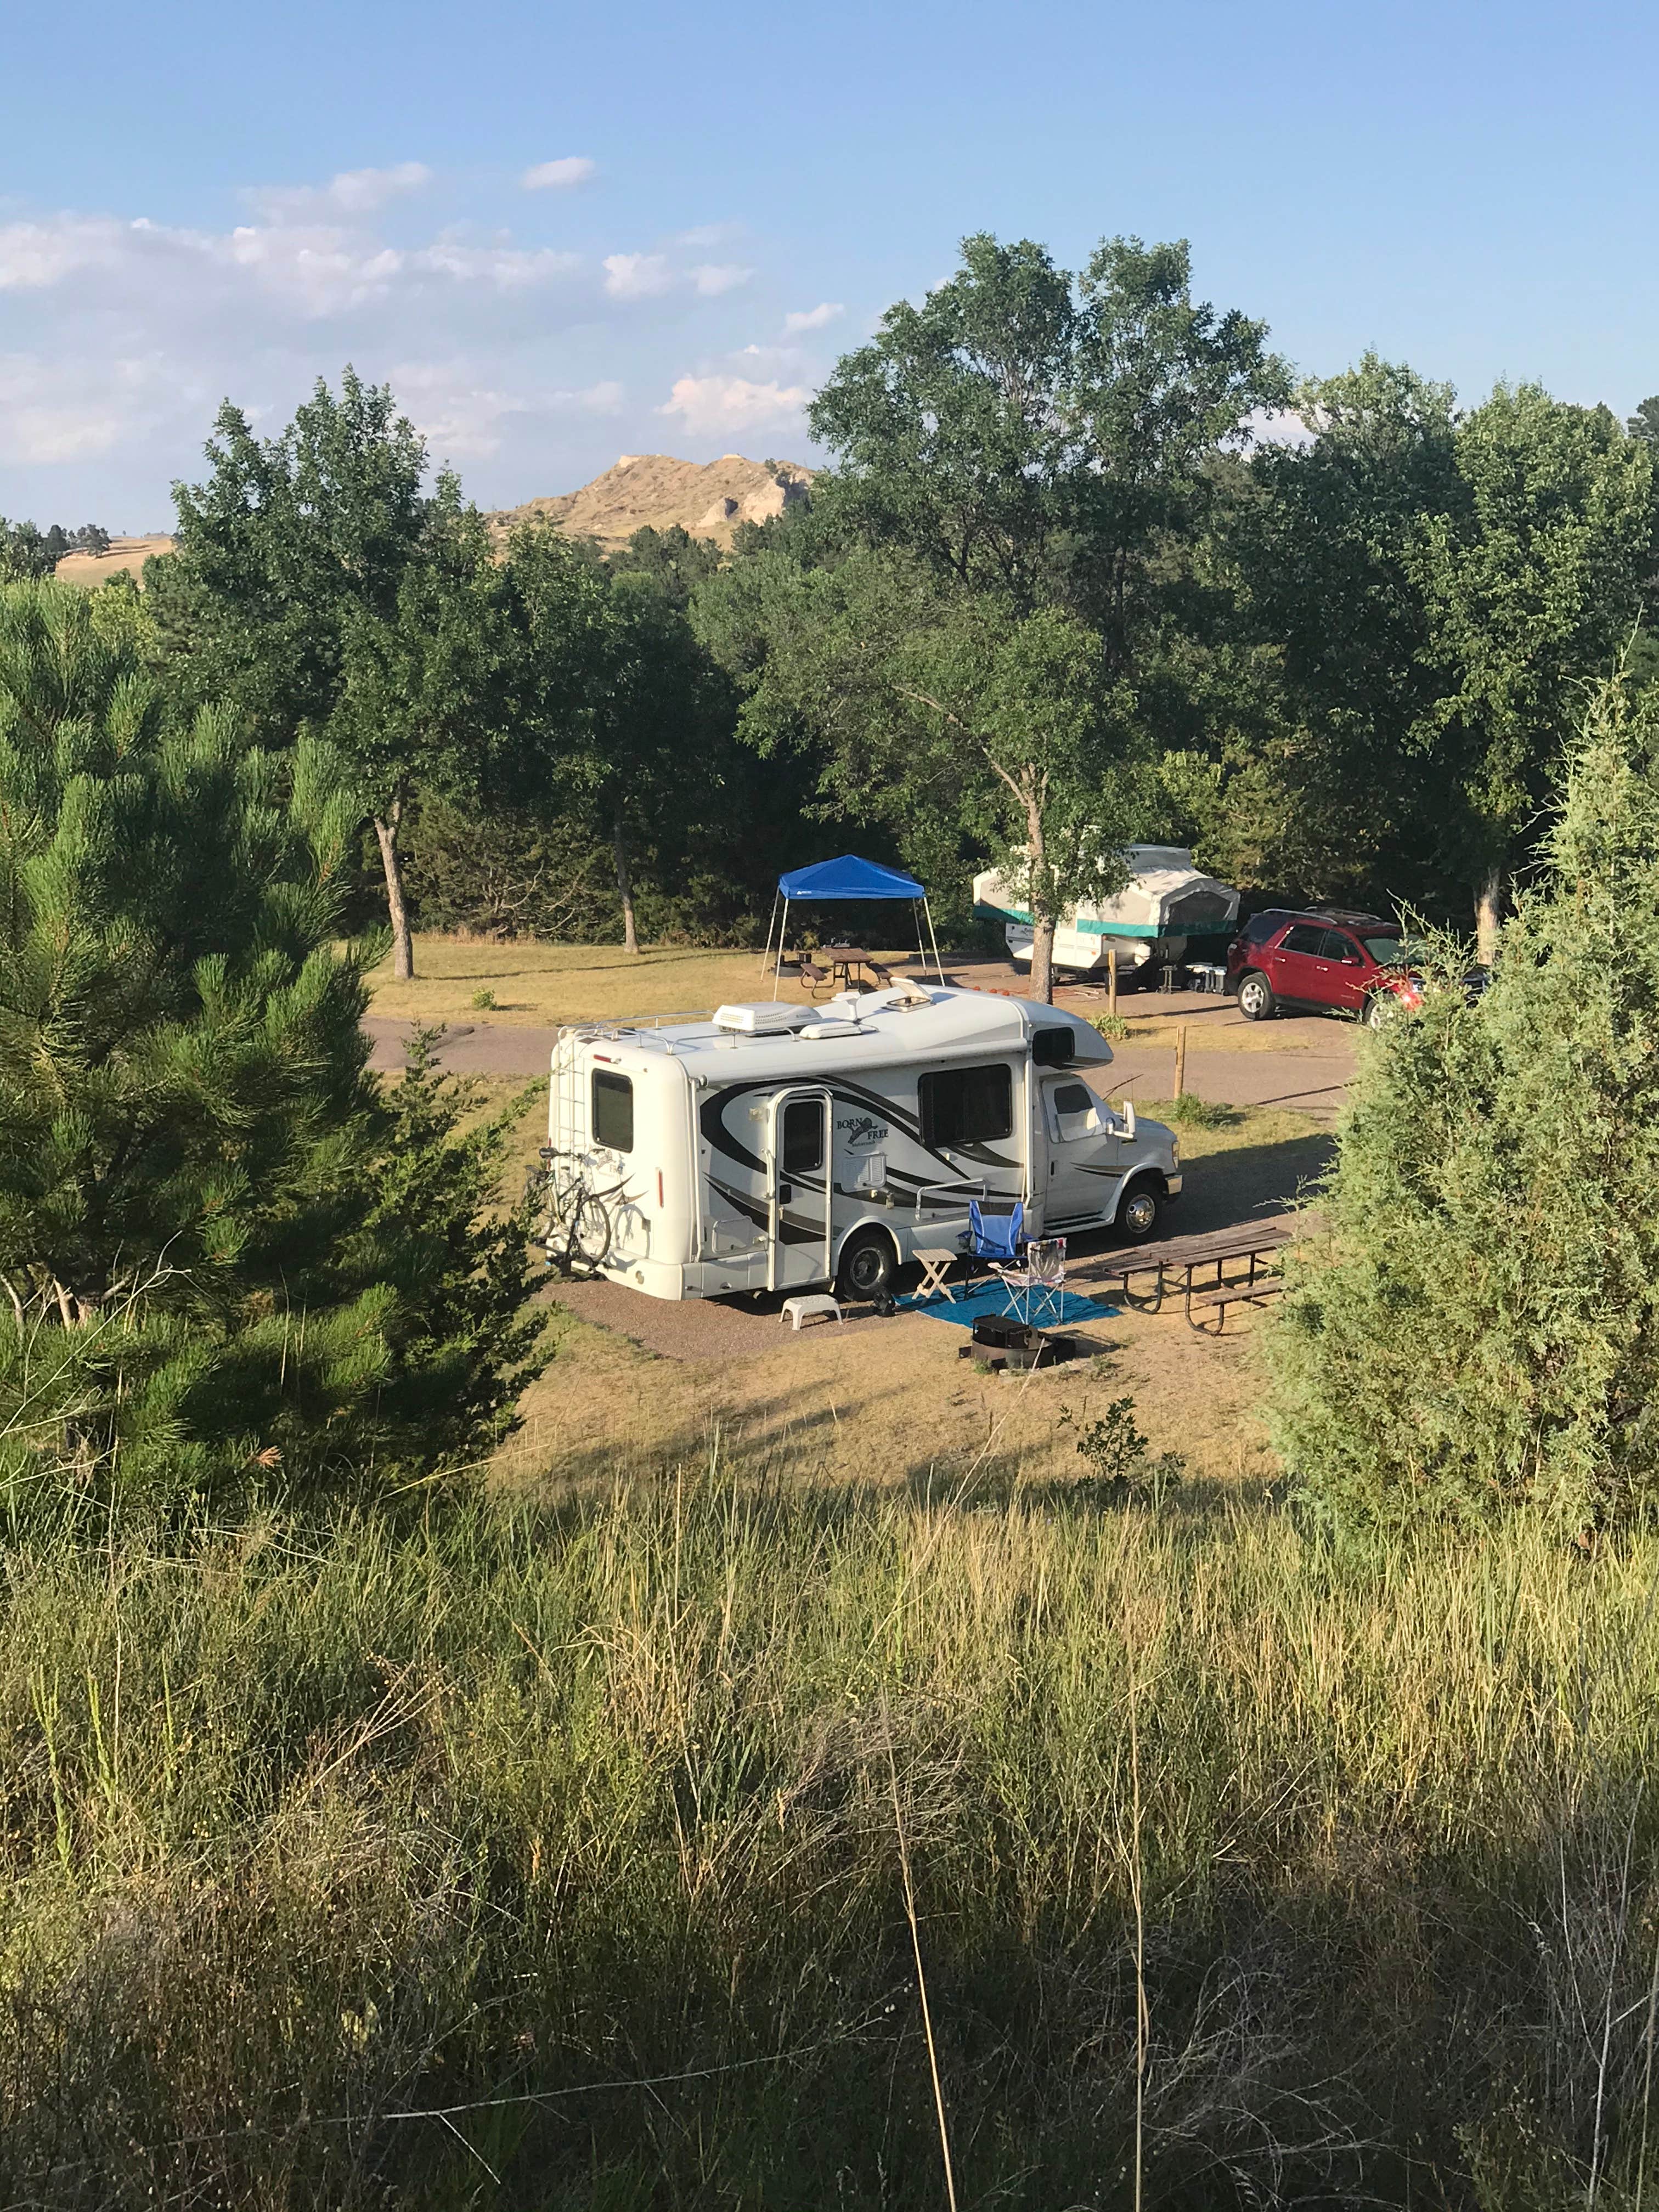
<point x="1488" y="913"/>
<point x="625" y="888"/>
<point x="1043" y="958"/>
<point x="1042" y="923"/>
<point x="403" y="949"/>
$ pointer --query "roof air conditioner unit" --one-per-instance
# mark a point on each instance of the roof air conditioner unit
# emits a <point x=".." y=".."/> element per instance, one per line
<point x="767" y="1019"/>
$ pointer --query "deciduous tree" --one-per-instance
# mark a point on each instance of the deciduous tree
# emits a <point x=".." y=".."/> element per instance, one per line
<point x="956" y="624"/>
<point x="317" y="583"/>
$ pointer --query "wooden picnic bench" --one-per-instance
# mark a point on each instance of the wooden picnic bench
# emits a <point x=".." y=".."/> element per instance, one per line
<point x="1176" y="1263"/>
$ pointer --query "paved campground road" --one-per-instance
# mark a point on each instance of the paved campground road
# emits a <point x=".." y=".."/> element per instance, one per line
<point x="1303" y="1078"/>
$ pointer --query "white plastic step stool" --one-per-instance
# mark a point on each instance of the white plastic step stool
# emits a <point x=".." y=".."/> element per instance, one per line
<point x="815" y="1302"/>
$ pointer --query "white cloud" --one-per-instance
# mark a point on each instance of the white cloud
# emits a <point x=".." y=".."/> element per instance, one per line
<point x="1274" y="426"/>
<point x="354" y="192"/>
<point x="312" y="269"/>
<point x="33" y="256"/>
<point x="712" y="278"/>
<point x="813" y="318"/>
<point x="508" y="268"/>
<point x="53" y="412"/>
<point x="712" y="405"/>
<point x="321" y="270"/>
<point x="122" y="332"/>
<point x="467" y="417"/>
<point x="555" y="176"/>
<point x="636" y="276"/>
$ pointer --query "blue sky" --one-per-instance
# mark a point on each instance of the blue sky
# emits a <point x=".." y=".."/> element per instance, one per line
<point x="201" y="200"/>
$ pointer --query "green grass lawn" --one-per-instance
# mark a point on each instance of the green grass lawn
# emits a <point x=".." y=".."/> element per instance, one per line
<point x="549" y="983"/>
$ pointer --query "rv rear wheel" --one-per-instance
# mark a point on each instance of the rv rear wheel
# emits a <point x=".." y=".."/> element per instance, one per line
<point x="868" y="1264"/>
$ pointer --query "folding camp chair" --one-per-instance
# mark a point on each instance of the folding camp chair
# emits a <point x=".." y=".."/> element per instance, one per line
<point x="996" y="1228"/>
<point x="1037" y="1292"/>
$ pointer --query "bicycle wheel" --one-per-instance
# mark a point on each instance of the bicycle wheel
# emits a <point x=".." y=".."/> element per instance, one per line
<point x="589" y="1232"/>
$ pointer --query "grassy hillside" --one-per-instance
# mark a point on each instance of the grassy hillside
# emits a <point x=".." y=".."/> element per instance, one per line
<point x="553" y="1853"/>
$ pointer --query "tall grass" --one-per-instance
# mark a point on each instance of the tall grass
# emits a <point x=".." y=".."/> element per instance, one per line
<point x="550" y="1856"/>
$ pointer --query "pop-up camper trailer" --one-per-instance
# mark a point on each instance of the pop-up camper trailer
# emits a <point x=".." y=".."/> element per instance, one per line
<point x="775" y="1147"/>
<point x="1152" y="922"/>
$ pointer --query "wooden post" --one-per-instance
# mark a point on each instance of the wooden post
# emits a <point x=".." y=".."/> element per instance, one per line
<point x="1180" y="1060"/>
<point x="1111" y="979"/>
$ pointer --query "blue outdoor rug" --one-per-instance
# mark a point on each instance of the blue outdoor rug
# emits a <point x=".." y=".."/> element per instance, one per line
<point x="987" y="1300"/>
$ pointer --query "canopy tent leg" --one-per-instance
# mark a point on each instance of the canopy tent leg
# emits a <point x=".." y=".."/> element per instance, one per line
<point x="939" y="968"/>
<point x="770" y="925"/>
<point x="783" y="939"/>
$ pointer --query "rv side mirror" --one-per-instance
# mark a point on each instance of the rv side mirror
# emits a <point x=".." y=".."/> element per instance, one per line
<point x="1129" y="1119"/>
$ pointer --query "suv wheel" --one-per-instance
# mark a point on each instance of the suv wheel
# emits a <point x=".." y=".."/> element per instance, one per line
<point x="1138" y="1209"/>
<point x="1256" y="996"/>
<point x="868" y="1264"/>
<point x="1384" y="1008"/>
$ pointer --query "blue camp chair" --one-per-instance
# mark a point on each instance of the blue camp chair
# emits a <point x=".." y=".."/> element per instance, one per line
<point x="996" y="1227"/>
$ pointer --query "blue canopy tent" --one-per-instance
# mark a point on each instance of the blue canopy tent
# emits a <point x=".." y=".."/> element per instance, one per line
<point x="848" y="877"/>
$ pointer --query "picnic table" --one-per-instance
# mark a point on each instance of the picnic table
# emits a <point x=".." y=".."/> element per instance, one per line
<point x="844" y="959"/>
<point x="1175" y="1265"/>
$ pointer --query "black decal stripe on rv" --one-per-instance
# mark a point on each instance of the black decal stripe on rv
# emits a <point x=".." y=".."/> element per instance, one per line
<point x="793" y="1229"/>
<point x="756" y="1210"/>
<point x="711" y="1119"/>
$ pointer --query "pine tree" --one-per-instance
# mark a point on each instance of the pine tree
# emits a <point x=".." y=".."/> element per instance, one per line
<point x="1476" y="1328"/>
<point x="199" y="1262"/>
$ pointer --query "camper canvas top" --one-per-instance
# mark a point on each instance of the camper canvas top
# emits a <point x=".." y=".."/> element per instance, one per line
<point x="906" y="1023"/>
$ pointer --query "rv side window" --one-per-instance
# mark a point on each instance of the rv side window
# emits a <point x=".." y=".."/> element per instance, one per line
<point x="1055" y="1047"/>
<point x="613" y="1111"/>
<point x="803" y="1136"/>
<point x="966" y="1105"/>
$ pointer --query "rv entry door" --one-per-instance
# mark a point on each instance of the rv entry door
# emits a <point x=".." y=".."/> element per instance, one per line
<point x="798" y="1174"/>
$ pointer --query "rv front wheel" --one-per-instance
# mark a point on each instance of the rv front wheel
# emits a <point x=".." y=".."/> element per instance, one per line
<point x="1137" y="1218"/>
<point x="868" y="1264"/>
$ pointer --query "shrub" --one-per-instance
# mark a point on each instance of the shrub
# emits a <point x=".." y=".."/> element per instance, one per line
<point x="1193" y="1113"/>
<point x="1473" y="1328"/>
<point x="1120" y="1458"/>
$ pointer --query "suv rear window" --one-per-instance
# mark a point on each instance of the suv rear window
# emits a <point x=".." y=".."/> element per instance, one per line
<point x="1261" y="926"/>
<point x="1305" y="937"/>
<point x="966" y="1105"/>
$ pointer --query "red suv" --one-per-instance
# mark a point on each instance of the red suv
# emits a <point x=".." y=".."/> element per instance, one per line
<point x="1323" y="960"/>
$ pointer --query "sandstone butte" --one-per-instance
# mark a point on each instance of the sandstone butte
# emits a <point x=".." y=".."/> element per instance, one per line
<point x="709" y="499"/>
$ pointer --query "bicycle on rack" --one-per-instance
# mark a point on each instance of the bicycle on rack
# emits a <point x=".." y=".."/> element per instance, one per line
<point x="579" y="1227"/>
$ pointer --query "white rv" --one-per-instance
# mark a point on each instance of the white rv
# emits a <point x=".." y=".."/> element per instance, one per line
<point x="1151" y="921"/>
<point x="775" y="1147"/>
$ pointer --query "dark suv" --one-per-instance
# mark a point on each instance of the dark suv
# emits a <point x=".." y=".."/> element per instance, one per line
<point x="1323" y="960"/>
